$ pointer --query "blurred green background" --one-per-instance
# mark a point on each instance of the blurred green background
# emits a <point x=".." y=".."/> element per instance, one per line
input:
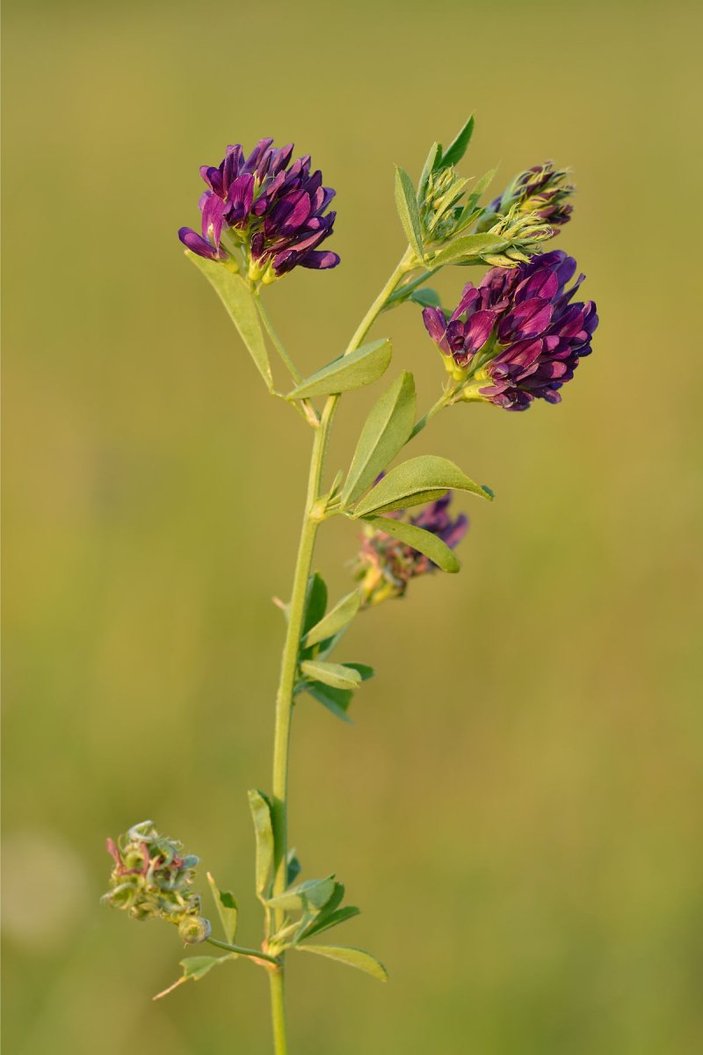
<point x="517" y="807"/>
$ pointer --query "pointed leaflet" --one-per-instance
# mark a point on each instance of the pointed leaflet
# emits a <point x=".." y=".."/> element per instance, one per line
<point x="477" y="190"/>
<point x="195" y="968"/>
<point x="428" y="298"/>
<point x="293" y="867"/>
<point x="261" y="815"/>
<point x="431" y="163"/>
<point x="424" y="541"/>
<point x="416" y="481"/>
<point x="334" y="674"/>
<point x="353" y="957"/>
<point x="468" y="248"/>
<point x="226" y="909"/>
<point x="340" y="616"/>
<point x="315" y="601"/>
<point x="406" y="203"/>
<point x="312" y="894"/>
<point x="359" y="368"/>
<point x="457" y="148"/>
<point x="327" y="920"/>
<point x="239" y="302"/>
<point x="335" y="700"/>
<point x="385" y="432"/>
<point x="363" y="670"/>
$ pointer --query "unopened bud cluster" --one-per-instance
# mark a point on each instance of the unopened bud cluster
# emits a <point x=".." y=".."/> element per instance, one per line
<point x="543" y="191"/>
<point x="153" y="878"/>
<point x="524" y="231"/>
<point x="442" y="214"/>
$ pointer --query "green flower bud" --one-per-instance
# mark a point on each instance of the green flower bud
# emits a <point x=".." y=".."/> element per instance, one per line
<point x="523" y="230"/>
<point x="194" y="929"/>
<point x="441" y="212"/>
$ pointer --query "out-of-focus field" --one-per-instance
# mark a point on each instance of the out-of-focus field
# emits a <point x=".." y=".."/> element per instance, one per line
<point x="517" y="807"/>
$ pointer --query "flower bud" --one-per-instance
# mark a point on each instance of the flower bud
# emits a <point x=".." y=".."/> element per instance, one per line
<point x="524" y="231"/>
<point x="541" y="192"/>
<point x="441" y="209"/>
<point x="194" y="929"/>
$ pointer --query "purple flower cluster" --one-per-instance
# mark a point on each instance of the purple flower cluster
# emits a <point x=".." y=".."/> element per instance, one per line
<point x="275" y="210"/>
<point x="386" y="565"/>
<point x="517" y="336"/>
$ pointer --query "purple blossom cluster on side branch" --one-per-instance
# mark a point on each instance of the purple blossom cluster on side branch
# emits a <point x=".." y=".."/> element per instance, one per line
<point x="517" y="335"/>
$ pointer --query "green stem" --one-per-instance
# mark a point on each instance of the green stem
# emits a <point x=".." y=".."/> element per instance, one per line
<point x="242" y="950"/>
<point x="289" y="661"/>
<point x="408" y="287"/>
<point x="276" y="340"/>
<point x="278" y="1012"/>
<point x="441" y="403"/>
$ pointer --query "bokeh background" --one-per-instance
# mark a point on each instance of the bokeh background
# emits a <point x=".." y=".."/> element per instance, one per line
<point x="517" y="807"/>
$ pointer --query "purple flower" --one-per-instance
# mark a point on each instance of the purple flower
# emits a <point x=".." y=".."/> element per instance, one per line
<point x="517" y="336"/>
<point x="386" y="565"/>
<point x="275" y="211"/>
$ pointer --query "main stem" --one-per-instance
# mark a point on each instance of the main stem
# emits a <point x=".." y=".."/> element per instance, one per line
<point x="289" y="662"/>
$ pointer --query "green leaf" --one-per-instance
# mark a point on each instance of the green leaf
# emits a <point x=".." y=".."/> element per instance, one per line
<point x="418" y="480"/>
<point x="241" y="308"/>
<point x="293" y="867"/>
<point x="457" y="148"/>
<point x="340" y="616"/>
<point x="406" y="203"/>
<point x="431" y="163"/>
<point x="327" y="920"/>
<point x="353" y="957"/>
<point x="386" y="430"/>
<point x="226" y="909"/>
<point x="261" y="815"/>
<point x="469" y="247"/>
<point x="363" y="670"/>
<point x="428" y="298"/>
<point x="312" y="894"/>
<point x="333" y="674"/>
<point x="355" y="370"/>
<point x="424" y="541"/>
<point x="335" y="700"/>
<point x="480" y="186"/>
<point x="315" y="601"/>
<point x="195" y="968"/>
